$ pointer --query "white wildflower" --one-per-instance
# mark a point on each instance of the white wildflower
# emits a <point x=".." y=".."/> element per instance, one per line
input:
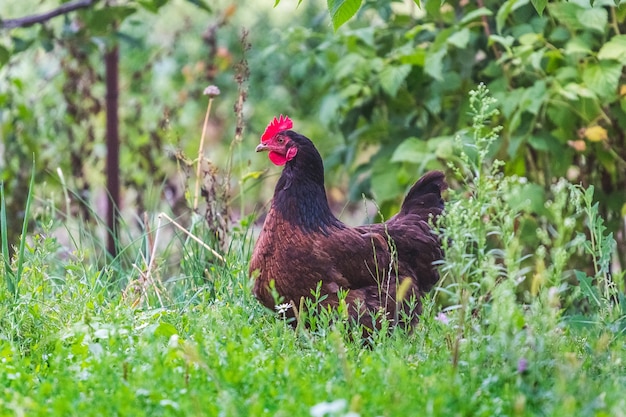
<point x="169" y="403"/>
<point x="102" y="333"/>
<point x="282" y="308"/>
<point x="173" y="342"/>
<point x="333" y="407"/>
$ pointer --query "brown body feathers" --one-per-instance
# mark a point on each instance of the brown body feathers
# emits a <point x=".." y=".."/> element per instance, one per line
<point x="385" y="268"/>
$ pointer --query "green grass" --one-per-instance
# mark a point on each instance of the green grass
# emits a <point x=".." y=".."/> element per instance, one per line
<point x="528" y="320"/>
<point x="78" y="355"/>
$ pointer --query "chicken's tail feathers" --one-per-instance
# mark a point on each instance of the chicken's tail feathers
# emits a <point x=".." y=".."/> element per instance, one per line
<point x="425" y="195"/>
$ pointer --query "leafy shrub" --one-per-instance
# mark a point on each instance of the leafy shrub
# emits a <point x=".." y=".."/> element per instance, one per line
<point x="502" y="229"/>
<point x="396" y="83"/>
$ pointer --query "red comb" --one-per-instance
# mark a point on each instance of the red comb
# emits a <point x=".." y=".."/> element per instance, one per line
<point x="277" y="125"/>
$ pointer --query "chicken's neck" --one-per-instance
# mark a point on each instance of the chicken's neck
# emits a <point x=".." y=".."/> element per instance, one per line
<point x="300" y="197"/>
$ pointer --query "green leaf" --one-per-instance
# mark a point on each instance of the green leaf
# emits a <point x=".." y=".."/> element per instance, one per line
<point x="201" y="4"/>
<point x="152" y="6"/>
<point x="46" y="38"/>
<point x="385" y="184"/>
<point x="165" y="329"/>
<point x="342" y="10"/>
<point x="101" y="21"/>
<point x="254" y="175"/>
<point x="603" y="78"/>
<point x="347" y="64"/>
<point x="460" y="39"/>
<point x="5" y="55"/>
<point x="587" y="287"/>
<point x="533" y="97"/>
<point x="417" y="29"/>
<point x="594" y="19"/>
<point x="544" y="142"/>
<point x="573" y="91"/>
<point x="475" y="14"/>
<point x="392" y="77"/>
<point x="506" y="42"/>
<point x="351" y="90"/>
<point x="578" y="45"/>
<point x="539" y="5"/>
<point x="614" y="49"/>
<point x="442" y="147"/>
<point x="21" y="44"/>
<point x="433" y="7"/>
<point x="505" y="10"/>
<point x="434" y="64"/>
<point x="567" y="14"/>
<point x="366" y="35"/>
<point x="417" y="57"/>
<point x="411" y="150"/>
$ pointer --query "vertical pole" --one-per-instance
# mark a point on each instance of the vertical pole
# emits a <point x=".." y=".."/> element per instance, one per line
<point x="113" y="146"/>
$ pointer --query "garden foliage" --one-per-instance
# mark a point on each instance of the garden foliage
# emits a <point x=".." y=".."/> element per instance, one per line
<point x="384" y="96"/>
<point x="522" y="103"/>
<point x="508" y="331"/>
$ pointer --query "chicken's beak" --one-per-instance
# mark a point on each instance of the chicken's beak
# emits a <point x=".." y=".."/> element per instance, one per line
<point x="262" y="147"/>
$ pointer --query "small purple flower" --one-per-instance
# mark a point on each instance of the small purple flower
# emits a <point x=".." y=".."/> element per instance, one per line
<point x="442" y="318"/>
<point x="212" y="91"/>
<point x="522" y="365"/>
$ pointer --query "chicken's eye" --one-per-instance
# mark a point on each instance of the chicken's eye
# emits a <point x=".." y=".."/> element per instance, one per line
<point x="280" y="140"/>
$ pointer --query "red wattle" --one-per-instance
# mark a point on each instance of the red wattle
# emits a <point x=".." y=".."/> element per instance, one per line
<point x="277" y="158"/>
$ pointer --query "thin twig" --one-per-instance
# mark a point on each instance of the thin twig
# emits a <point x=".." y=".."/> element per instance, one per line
<point x="44" y="17"/>
<point x="148" y="274"/>
<point x="201" y="155"/>
<point x="146" y="221"/>
<point x="296" y="313"/>
<point x="487" y="30"/>
<point x="207" y="247"/>
<point x="614" y="20"/>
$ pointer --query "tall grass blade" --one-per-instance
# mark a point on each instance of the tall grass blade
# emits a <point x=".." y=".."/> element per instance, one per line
<point x="20" y="253"/>
<point x="6" y="256"/>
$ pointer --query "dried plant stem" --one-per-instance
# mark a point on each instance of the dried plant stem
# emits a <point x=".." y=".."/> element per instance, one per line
<point x="144" y="293"/>
<point x="207" y="247"/>
<point x="241" y="77"/>
<point x="149" y="236"/>
<point x="236" y="140"/>
<point x="196" y="196"/>
<point x="296" y="313"/>
<point x="146" y="276"/>
<point x="153" y="253"/>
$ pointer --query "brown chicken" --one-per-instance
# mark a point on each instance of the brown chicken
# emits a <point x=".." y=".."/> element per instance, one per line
<point x="385" y="268"/>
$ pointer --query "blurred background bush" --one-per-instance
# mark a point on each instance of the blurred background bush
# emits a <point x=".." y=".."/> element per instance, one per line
<point x="383" y="98"/>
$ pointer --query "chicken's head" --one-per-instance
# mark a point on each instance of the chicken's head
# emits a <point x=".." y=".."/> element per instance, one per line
<point x="275" y="140"/>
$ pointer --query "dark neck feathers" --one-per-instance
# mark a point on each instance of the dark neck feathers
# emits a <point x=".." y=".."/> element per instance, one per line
<point x="300" y="196"/>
